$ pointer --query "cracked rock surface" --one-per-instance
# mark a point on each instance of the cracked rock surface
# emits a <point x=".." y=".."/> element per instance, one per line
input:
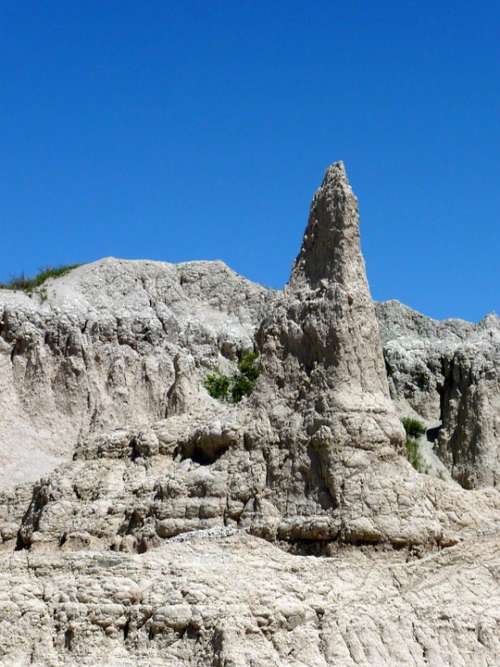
<point x="144" y="522"/>
<point x="238" y="600"/>
<point x="109" y="345"/>
<point x="448" y="374"/>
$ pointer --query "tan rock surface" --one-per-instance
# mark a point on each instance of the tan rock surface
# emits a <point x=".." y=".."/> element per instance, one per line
<point x="448" y="374"/>
<point x="239" y="601"/>
<point x="288" y="529"/>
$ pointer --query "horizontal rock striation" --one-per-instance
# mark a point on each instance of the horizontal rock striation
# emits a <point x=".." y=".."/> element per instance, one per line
<point x="232" y="599"/>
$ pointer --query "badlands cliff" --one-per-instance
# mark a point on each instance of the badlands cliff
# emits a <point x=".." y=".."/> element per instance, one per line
<point x="143" y="522"/>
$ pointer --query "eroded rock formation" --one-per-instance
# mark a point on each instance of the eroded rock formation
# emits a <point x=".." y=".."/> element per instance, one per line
<point x="181" y="529"/>
<point x="103" y="346"/>
<point x="448" y="374"/>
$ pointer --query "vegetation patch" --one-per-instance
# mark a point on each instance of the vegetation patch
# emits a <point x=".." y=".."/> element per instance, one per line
<point x="218" y="385"/>
<point x="28" y="285"/>
<point x="232" y="388"/>
<point x="414" y="429"/>
<point x="413" y="454"/>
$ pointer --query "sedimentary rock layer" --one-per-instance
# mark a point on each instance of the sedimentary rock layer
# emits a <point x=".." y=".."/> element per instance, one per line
<point x="286" y="529"/>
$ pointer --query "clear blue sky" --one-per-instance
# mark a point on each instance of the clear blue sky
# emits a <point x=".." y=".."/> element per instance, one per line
<point x="191" y="130"/>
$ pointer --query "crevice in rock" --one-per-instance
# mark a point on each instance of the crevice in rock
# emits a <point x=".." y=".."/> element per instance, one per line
<point x="30" y="522"/>
<point x="19" y="347"/>
<point x="204" y="452"/>
<point x="126" y="629"/>
<point x="134" y="451"/>
<point x="191" y="633"/>
<point x="334" y="547"/>
<point x="69" y="635"/>
<point x="20" y="542"/>
<point x="133" y="522"/>
<point x="318" y="548"/>
<point x="142" y="546"/>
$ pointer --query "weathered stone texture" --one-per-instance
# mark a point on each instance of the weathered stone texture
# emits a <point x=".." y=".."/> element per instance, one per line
<point x="235" y="600"/>
<point x="288" y="529"/>
<point x="448" y="373"/>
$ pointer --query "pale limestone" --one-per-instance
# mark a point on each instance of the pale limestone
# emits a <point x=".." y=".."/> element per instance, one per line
<point x="175" y="532"/>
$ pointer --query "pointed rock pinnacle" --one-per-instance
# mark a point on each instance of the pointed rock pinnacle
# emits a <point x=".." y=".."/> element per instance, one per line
<point x="330" y="249"/>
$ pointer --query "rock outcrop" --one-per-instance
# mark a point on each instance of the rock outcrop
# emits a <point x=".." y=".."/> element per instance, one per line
<point x="181" y="529"/>
<point x="448" y="374"/>
<point x="234" y="600"/>
<point x="102" y="346"/>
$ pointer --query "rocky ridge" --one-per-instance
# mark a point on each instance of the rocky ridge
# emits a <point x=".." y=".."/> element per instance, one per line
<point x="163" y="483"/>
<point x="102" y="346"/>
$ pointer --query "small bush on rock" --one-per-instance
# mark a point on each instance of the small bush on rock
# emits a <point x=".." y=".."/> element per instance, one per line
<point x="234" y="388"/>
<point x="242" y="386"/>
<point x="413" y="454"/>
<point x="249" y="367"/>
<point x="414" y="429"/>
<point x="218" y="385"/>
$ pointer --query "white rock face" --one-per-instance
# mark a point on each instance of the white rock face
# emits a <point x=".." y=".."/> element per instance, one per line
<point x="287" y="529"/>
<point x="448" y="373"/>
<point x="239" y="601"/>
<point x="99" y="351"/>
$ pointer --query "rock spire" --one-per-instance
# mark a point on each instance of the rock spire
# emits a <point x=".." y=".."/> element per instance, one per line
<point x="330" y="249"/>
<point x="328" y="321"/>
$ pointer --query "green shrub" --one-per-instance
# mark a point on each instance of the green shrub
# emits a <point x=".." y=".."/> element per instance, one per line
<point x="218" y="385"/>
<point x="234" y="388"/>
<point x="413" y="427"/>
<point x="248" y="366"/>
<point x="413" y="454"/>
<point x="241" y="386"/>
<point x="26" y="284"/>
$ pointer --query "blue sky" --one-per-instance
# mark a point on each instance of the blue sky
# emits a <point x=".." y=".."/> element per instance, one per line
<point x="192" y="130"/>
